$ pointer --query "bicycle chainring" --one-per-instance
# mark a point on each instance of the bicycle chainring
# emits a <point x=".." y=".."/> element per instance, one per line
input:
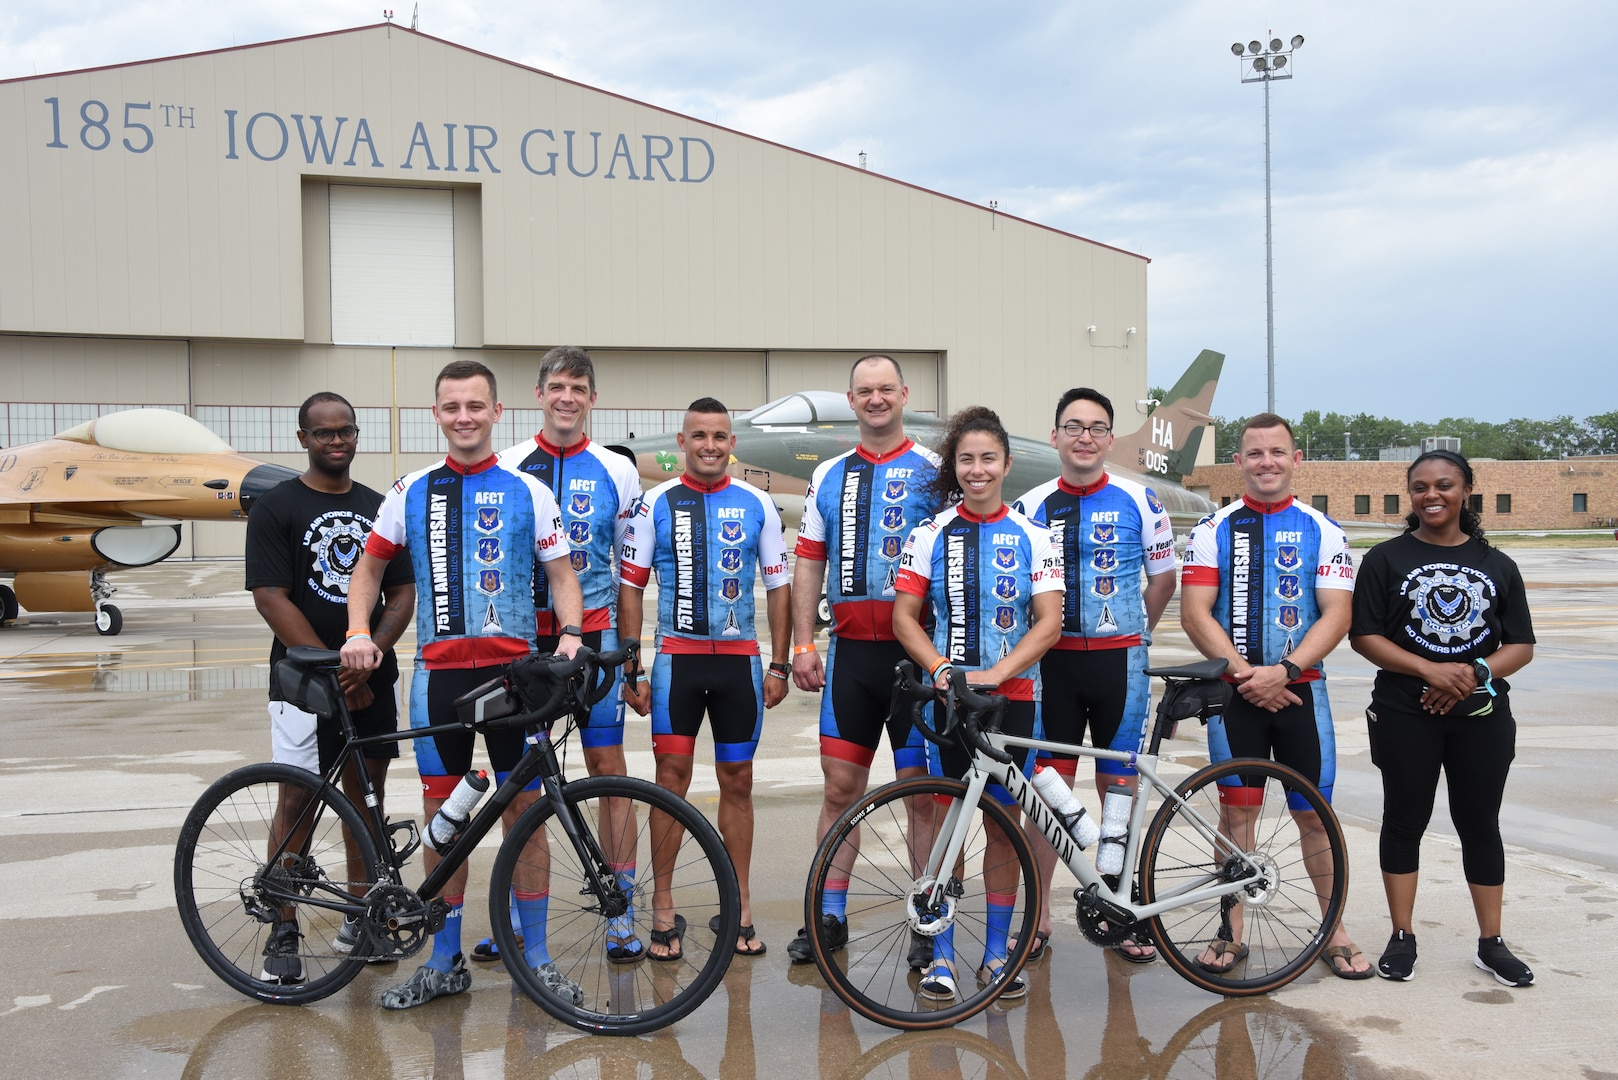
<point x="1093" y="923"/>
<point x="397" y="920"/>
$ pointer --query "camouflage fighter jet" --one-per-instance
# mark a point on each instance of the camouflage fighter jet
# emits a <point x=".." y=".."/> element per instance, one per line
<point x="779" y="445"/>
<point x="108" y="494"/>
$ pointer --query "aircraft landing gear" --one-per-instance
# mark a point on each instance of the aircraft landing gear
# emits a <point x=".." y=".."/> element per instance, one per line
<point x="109" y="620"/>
<point x="8" y="605"/>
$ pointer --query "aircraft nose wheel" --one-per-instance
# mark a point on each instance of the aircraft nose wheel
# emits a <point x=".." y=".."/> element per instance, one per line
<point x="109" y="620"/>
<point x="8" y="605"/>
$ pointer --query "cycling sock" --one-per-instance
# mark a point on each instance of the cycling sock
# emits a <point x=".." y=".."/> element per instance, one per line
<point x="624" y="874"/>
<point x="1000" y="906"/>
<point x="944" y="946"/>
<point x="516" y="918"/>
<point x="834" y="901"/>
<point x="447" y="942"/>
<point x="533" y="909"/>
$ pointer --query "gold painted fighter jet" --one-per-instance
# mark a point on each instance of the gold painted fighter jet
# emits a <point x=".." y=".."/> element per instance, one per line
<point x="109" y="494"/>
<point x="779" y="445"/>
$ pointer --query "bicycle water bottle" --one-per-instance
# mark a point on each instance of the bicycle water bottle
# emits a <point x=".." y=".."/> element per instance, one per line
<point x="1060" y="798"/>
<point x="452" y="817"/>
<point x="1114" y="827"/>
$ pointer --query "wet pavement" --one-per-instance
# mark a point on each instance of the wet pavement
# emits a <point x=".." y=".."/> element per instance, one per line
<point x="110" y="740"/>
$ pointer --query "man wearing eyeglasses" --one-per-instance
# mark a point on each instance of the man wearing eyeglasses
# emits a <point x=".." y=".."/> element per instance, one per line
<point x="304" y="538"/>
<point x="1110" y="530"/>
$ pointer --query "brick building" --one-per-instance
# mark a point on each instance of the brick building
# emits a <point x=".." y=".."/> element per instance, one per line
<point x="1570" y="493"/>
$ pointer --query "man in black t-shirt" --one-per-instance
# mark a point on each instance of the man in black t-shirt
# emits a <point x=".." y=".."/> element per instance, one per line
<point x="303" y="539"/>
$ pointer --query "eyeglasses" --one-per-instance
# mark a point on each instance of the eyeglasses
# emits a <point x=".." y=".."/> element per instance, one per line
<point x="325" y="436"/>
<point x="1073" y="429"/>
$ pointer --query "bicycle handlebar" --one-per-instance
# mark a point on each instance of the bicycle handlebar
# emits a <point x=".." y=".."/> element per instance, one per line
<point x="962" y="705"/>
<point x="577" y="681"/>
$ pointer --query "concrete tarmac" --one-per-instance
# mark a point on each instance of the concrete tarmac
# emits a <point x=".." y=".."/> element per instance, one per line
<point x="108" y="741"/>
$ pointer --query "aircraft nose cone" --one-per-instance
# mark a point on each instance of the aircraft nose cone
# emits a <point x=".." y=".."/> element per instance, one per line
<point x="260" y="480"/>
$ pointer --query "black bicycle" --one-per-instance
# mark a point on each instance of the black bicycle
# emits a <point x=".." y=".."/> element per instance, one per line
<point x="607" y="848"/>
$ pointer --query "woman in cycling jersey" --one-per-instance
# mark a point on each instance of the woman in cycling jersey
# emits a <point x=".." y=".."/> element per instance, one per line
<point x="994" y="581"/>
<point x="1445" y="617"/>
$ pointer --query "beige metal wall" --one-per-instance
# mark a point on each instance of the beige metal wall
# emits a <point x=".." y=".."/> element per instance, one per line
<point x="200" y="216"/>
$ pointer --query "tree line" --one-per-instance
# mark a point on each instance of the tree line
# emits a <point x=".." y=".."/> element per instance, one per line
<point x="1335" y="437"/>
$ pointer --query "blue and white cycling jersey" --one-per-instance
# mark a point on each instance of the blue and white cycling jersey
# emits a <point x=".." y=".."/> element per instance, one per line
<point x="705" y="543"/>
<point x="476" y="535"/>
<point x="1109" y="533"/>
<point x="1267" y="561"/>
<point x="981" y="574"/>
<point x="597" y="491"/>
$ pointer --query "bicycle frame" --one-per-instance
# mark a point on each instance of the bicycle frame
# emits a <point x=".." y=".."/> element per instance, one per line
<point x="539" y="761"/>
<point x="951" y="836"/>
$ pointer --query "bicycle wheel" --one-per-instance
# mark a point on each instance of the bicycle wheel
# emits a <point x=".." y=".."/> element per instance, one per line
<point x="230" y="896"/>
<point x="1283" y="919"/>
<point x="868" y="843"/>
<point x="622" y="815"/>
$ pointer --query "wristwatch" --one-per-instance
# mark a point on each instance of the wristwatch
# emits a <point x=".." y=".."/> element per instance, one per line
<point x="570" y="631"/>
<point x="1294" y="672"/>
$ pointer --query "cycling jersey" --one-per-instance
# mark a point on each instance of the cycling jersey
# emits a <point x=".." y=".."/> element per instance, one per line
<point x="1108" y="532"/>
<point x="476" y="535"/>
<point x="597" y="490"/>
<point x="704" y="542"/>
<point x="1267" y="560"/>
<point x="858" y="510"/>
<point x="981" y="574"/>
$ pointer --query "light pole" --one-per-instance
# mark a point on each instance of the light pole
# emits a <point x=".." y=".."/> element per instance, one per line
<point x="1261" y="64"/>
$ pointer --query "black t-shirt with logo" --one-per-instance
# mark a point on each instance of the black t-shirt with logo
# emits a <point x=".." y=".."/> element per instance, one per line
<point x="308" y="542"/>
<point x="1446" y="604"/>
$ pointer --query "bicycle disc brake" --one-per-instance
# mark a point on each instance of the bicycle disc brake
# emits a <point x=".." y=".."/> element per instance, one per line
<point x="932" y="919"/>
<point x="1102" y="923"/>
<point x="397" y="922"/>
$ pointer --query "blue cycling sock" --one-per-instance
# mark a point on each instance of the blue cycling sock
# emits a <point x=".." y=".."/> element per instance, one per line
<point x="447" y="942"/>
<point x="625" y="876"/>
<point x="533" y="909"/>
<point x="944" y="946"/>
<point x="516" y="919"/>
<point x="1000" y="907"/>
<point x="834" y="900"/>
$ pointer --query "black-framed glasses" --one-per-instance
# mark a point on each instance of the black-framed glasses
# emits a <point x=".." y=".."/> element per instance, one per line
<point x="325" y="436"/>
<point x="1073" y="429"/>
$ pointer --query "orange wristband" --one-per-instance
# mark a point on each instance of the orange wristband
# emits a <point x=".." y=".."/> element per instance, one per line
<point x="357" y="633"/>
<point x="799" y="650"/>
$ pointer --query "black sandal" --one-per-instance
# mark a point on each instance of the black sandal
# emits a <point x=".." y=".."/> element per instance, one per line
<point x="669" y="939"/>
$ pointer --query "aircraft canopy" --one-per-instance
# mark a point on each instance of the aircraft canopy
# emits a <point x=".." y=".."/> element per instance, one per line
<point x="148" y="431"/>
<point x="808" y="407"/>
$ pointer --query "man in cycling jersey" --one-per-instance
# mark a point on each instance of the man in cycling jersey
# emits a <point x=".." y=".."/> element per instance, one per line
<point x="477" y="535"/>
<point x="859" y="509"/>
<point x="704" y="533"/>
<point x="1118" y="559"/>
<point x="1268" y="588"/>
<point x="597" y="491"/>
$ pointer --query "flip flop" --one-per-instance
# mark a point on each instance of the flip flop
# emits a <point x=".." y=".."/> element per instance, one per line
<point x="938" y="982"/>
<point x="1222" y="949"/>
<point x="670" y="939"/>
<point x="623" y="947"/>
<point x="1041" y="939"/>
<point x="746" y="933"/>
<point x="1139" y="957"/>
<point x="1346" y="953"/>
<point x="486" y="951"/>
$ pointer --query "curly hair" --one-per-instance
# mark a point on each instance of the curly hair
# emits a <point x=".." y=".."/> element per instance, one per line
<point x="1471" y="522"/>
<point x="945" y="488"/>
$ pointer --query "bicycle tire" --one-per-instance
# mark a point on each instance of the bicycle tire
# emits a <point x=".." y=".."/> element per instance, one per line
<point x="1261" y="1039"/>
<point x="1285" y="926"/>
<point x="222" y="853"/>
<point x="870" y="973"/>
<point x="619" y="998"/>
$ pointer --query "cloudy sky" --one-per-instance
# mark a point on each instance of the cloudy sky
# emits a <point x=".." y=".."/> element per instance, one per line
<point x="1444" y="173"/>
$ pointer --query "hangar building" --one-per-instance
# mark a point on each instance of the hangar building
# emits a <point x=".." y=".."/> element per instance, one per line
<point x="227" y="232"/>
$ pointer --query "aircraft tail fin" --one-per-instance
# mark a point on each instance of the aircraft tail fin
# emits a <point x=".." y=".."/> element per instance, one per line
<point x="1167" y="443"/>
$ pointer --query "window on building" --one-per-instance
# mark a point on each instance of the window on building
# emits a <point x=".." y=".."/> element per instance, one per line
<point x="1390" y="504"/>
<point x="1318" y="502"/>
<point x="1502" y="504"/>
<point x="1224" y="500"/>
<point x="1362" y="504"/>
<point x="1581" y="503"/>
<point x="1475" y="502"/>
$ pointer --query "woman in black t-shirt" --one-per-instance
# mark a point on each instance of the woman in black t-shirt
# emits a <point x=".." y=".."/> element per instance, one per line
<point x="1444" y="616"/>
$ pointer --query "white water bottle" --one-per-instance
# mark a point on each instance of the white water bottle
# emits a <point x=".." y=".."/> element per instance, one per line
<point x="1060" y="798"/>
<point x="452" y="817"/>
<point x="1114" y="827"/>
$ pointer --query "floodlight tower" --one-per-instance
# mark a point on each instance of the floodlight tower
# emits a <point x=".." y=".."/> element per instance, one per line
<point x="1261" y="64"/>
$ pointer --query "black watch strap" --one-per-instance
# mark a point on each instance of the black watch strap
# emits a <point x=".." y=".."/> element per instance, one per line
<point x="1294" y="672"/>
<point x="573" y="630"/>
